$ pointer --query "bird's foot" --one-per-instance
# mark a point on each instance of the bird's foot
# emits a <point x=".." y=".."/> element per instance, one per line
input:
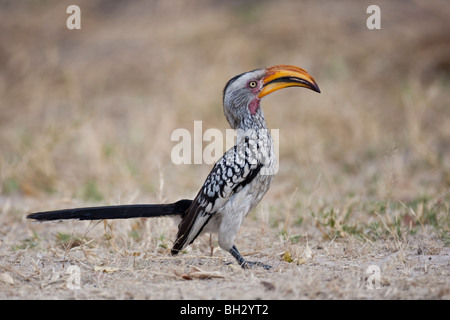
<point x="251" y="264"/>
<point x="247" y="264"/>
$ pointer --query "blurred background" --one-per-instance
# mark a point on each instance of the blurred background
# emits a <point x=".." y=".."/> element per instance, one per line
<point x="86" y="115"/>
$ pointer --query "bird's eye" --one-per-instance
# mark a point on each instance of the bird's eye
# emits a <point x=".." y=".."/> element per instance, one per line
<point x="252" y="84"/>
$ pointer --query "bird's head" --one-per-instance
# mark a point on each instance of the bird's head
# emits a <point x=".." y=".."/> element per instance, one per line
<point x="242" y="94"/>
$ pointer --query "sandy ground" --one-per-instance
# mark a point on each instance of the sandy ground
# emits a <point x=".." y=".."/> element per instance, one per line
<point x="102" y="262"/>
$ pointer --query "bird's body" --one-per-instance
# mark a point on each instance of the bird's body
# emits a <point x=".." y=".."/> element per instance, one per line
<point x="236" y="183"/>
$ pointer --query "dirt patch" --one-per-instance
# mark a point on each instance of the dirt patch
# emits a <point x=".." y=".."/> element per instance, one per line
<point x="97" y="262"/>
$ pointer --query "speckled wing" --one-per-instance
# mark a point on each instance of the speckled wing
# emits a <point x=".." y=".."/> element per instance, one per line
<point x="237" y="168"/>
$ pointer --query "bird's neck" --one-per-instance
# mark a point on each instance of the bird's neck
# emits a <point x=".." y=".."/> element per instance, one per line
<point x="246" y="119"/>
<point x="255" y="121"/>
<point x="253" y="127"/>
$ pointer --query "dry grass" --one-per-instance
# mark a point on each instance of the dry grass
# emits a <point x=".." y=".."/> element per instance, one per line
<point x="86" y="118"/>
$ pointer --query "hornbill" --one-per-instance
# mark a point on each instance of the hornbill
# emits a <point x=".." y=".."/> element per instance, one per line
<point x="236" y="183"/>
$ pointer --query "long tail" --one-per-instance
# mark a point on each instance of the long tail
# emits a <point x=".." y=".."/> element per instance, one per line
<point x="115" y="212"/>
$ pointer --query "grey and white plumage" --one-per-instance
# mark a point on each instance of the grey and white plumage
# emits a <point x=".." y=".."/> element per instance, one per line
<point x="236" y="183"/>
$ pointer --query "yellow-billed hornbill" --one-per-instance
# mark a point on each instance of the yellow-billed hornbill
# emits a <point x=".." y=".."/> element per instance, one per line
<point x="237" y="182"/>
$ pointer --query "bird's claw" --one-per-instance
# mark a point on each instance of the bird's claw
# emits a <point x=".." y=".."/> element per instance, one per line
<point x="251" y="264"/>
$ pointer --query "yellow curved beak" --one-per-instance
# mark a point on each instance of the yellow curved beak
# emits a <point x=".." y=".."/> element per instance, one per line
<point x="283" y="76"/>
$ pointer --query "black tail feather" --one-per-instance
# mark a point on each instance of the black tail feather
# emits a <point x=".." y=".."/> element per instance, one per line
<point x="115" y="212"/>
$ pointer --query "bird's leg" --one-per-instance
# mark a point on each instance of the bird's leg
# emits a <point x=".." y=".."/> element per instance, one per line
<point x="211" y="247"/>
<point x="244" y="263"/>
